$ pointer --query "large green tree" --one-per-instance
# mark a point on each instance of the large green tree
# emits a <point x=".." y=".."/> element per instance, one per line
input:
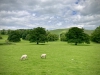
<point x="14" y="36"/>
<point x="77" y="35"/>
<point x="95" y="36"/>
<point x="38" y="35"/>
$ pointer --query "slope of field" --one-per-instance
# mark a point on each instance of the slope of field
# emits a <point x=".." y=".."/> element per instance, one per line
<point x="62" y="59"/>
<point x="58" y="31"/>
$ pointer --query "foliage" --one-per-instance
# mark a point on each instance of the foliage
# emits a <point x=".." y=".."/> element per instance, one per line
<point x="77" y="35"/>
<point x="52" y="37"/>
<point x="1" y="37"/>
<point x="38" y="35"/>
<point x="59" y="31"/>
<point x="24" y="35"/>
<point x="62" y="37"/>
<point x="95" y="36"/>
<point x="8" y="31"/>
<point x="3" y="31"/>
<point x="14" y="36"/>
<point x="27" y="37"/>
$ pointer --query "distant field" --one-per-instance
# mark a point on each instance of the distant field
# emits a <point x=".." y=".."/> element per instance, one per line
<point x="59" y="31"/>
<point x="62" y="59"/>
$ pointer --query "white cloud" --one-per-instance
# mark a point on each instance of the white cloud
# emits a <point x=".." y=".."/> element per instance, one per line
<point x="90" y="7"/>
<point x="51" y="14"/>
<point x="59" y="24"/>
<point x="79" y="7"/>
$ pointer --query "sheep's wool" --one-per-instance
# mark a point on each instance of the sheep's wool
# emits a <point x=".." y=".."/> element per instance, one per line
<point x="43" y="55"/>
<point x="23" y="57"/>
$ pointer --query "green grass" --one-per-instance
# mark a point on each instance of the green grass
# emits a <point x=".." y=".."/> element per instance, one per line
<point x="62" y="59"/>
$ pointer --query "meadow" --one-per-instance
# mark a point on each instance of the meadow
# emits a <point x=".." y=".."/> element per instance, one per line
<point x="62" y="58"/>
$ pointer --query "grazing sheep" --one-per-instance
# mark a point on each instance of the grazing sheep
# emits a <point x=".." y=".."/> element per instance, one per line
<point x="43" y="56"/>
<point x="23" y="57"/>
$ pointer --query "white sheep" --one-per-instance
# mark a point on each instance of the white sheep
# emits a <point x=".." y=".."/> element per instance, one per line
<point x="43" y="56"/>
<point x="23" y="57"/>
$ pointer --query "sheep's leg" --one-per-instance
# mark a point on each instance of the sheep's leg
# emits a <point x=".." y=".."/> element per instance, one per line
<point x="41" y="57"/>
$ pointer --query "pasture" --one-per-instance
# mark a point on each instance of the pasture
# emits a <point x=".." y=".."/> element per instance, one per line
<point x="62" y="59"/>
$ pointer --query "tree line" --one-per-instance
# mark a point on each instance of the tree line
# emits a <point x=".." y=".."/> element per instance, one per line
<point x="40" y="35"/>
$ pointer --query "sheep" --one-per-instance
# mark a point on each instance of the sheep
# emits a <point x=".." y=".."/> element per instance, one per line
<point x="43" y="56"/>
<point x="23" y="57"/>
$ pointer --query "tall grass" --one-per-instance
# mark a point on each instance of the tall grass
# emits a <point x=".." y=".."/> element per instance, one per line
<point x="62" y="59"/>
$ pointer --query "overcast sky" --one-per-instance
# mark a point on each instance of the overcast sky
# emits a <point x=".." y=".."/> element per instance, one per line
<point x="49" y="14"/>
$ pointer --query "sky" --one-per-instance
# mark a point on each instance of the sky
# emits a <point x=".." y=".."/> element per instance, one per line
<point x="49" y="14"/>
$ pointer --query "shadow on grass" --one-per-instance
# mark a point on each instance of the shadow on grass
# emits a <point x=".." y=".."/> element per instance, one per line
<point x="7" y="43"/>
<point x="80" y="44"/>
<point x="38" y="44"/>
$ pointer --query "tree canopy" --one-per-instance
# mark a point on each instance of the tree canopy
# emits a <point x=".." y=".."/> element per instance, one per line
<point x="95" y="36"/>
<point x="38" y="35"/>
<point x="52" y="37"/>
<point x="14" y="36"/>
<point x="3" y="32"/>
<point x="77" y="35"/>
<point x="62" y="37"/>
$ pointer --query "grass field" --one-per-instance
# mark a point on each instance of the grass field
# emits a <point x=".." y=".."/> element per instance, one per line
<point x="62" y="59"/>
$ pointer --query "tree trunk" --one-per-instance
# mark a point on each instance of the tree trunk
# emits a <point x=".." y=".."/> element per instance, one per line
<point x="75" y="43"/>
<point x="37" y="42"/>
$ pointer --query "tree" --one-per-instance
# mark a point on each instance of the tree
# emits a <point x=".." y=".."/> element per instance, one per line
<point x="3" y="31"/>
<point x="1" y="37"/>
<point x="62" y="37"/>
<point x="27" y="37"/>
<point x="77" y="35"/>
<point x="52" y="37"/>
<point x="24" y="35"/>
<point x="8" y="31"/>
<point x="95" y="36"/>
<point x="14" y="36"/>
<point x="38" y="35"/>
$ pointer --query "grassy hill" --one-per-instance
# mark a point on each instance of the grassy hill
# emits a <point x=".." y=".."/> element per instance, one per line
<point x="58" y="31"/>
<point x="88" y="31"/>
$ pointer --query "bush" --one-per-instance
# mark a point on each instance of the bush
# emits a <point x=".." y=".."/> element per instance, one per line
<point x="14" y="36"/>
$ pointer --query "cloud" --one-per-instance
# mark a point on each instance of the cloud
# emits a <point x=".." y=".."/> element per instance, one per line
<point x="89" y="7"/>
<point x="51" y="14"/>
